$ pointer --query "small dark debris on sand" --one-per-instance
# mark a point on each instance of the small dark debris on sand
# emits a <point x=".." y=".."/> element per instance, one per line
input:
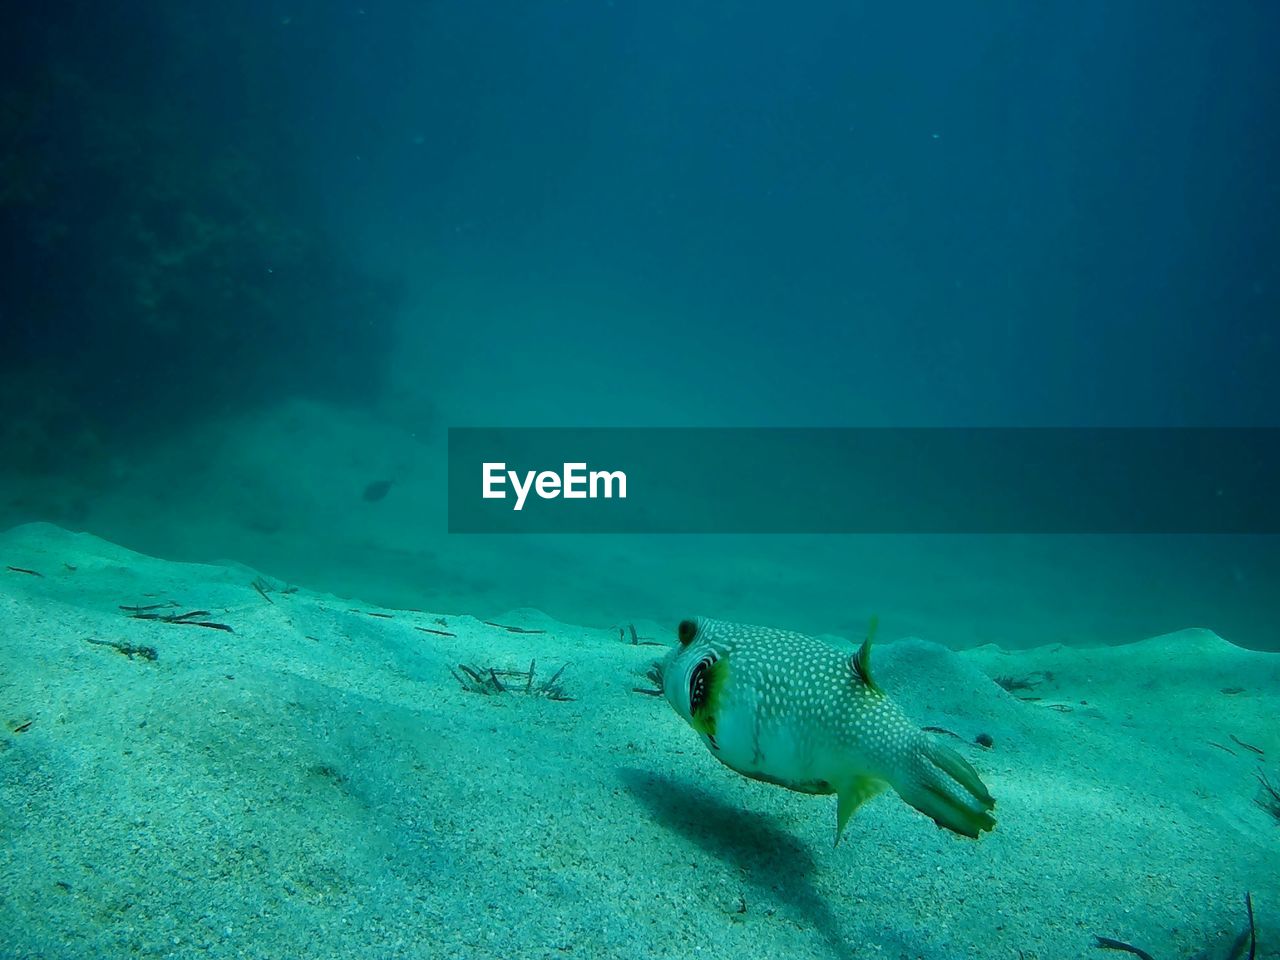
<point x="982" y="739"/>
<point x="635" y="639"/>
<point x="328" y="772"/>
<point x="510" y="629"/>
<point x="942" y="730"/>
<point x="191" y="618"/>
<point x="1247" y="936"/>
<point x="489" y="681"/>
<point x="149" y="606"/>
<point x="654" y="675"/>
<point x="438" y="633"/>
<point x="1247" y="940"/>
<point x="1247" y="746"/>
<point x="1029" y="682"/>
<point x="128" y="649"/>
<point x="371" y="613"/>
<point x="1106" y="943"/>
<point x="1268" y="797"/>
<point x="376" y="491"/>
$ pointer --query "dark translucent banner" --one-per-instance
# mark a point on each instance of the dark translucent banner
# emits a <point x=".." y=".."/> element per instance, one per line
<point x="864" y="480"/>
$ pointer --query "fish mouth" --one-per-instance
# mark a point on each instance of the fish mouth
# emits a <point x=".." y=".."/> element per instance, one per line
<point x="699" y="690"/>
<point x="675" y="684"/>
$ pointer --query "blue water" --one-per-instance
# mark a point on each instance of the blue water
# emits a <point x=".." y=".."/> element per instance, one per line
<point x="637" y="214"/>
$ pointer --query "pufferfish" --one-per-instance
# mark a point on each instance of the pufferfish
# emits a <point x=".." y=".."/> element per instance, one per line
<point x="795" y="711"/>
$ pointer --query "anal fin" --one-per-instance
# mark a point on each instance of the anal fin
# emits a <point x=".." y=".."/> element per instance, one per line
<point x="852" y="795"/>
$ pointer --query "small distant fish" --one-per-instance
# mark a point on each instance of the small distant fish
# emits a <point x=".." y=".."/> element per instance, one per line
<point x="376" y="490"/>
<point x="794" y="711"/>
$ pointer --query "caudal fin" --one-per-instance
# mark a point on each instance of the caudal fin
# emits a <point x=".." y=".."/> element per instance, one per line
<point x="943" y="785"/>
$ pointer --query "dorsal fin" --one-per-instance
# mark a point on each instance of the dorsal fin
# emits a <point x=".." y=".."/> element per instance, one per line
<point x="861" y="661"/>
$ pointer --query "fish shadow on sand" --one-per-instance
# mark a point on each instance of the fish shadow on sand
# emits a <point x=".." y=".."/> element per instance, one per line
<point x="777" y="865"/>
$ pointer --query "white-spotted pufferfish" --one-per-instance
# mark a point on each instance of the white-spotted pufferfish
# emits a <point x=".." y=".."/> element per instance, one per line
<point x="795" y="711"/>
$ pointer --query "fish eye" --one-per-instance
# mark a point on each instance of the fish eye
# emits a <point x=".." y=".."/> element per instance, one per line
<point x="686" y="632"/>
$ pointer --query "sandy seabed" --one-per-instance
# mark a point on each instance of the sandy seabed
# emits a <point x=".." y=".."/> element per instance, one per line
<point x="315" y="781"/>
